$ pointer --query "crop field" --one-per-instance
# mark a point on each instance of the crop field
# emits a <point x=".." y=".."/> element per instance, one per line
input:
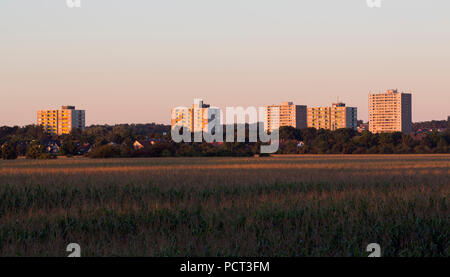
<point x="305" y="205"/>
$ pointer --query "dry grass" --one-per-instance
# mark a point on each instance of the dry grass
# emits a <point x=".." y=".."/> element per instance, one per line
<point x="305" y="205"/>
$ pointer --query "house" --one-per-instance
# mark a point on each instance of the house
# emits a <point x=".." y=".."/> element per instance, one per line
<point x="52" y="146"/>
<point x="141" y="144"/>
<point x="362" y="127"/>
<point x="83" y="149"/>
<point x="216" y="143"/>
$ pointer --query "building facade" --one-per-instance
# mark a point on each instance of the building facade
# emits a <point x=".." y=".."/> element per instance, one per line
<point x="337" y="116"/>
<point x="63" y="121"/>
<point x="286" y="114"/>
<point x="390" y="112"/>
<point x="196" y="118"/>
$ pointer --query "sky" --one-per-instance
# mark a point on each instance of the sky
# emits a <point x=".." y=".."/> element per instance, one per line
<point x="131" y="61"/>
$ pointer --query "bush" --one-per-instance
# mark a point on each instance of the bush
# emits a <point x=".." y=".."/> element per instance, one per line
<point x="47" y="156"/>
<point x="8" y="152"/>
<point x="68" y="148"/>
<point x="166" y="153"/>
<point x="360" y="150"/>
<point x="421" y="149"/>
<point x="105" y="151"/>
<point x="34" y="150"/>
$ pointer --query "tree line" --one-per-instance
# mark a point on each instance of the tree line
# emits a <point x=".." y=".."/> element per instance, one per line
<point x="104" y="141"/>
<point x="349" y="141"/>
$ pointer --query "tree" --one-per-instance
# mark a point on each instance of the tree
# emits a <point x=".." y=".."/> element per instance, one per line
<point x="289" y="133"/>
<point x="68" y="148"/>
<point x="308" y="135"/>
<point x="431" y="140"/>
<point x="342" y="136"/>
<point x="290" y="147"/>
<point x="442" y="146"/>
<point x="126" y="149"/>
<point x="105" y="151"/>
<point x="34" y="150"/>
<point x="386" y="149"/>
<point x="166" y="153"/>
<point x="367" y="139"/>
<point x="76" y="134"/>
<point x="21" y="149"/>
<point x="321" y="143"/>
<point x="8" y="152"/>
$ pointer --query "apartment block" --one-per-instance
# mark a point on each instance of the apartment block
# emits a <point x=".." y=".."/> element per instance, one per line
<point x="390" y="112"/>
<point x="286" y="114"/>
<point x="60" y="122"/>
<point x="196" y="118"/>
<point x="337" y="116"/>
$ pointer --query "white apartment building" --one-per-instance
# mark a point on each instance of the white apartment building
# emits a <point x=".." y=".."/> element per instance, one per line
<point x="195" y="119"/>
<point x="61" y="122"/>
<point x="337" y="116"/>
<point x="286" y="114"/>
<point x="390" y="112"/>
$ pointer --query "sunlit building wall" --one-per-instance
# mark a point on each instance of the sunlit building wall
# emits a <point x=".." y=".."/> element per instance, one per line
<point x="337" y="116"/>
<point x="196" y="118"/>
<point x="286" y="114"/>
<point x="63" y="121"/>
<point x="390" y="112"/>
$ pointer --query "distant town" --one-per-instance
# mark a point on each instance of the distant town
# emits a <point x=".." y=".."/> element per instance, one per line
<point x="303" y="130"/>
<point x="388" y="112"/>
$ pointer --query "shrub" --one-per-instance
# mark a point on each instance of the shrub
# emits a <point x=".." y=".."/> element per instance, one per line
<point x="47" y="156"/>
<point x="68" y="148"/>
<point x="166" y="153"/>
<point x="8" y="152"/>
<point x="105" y="151"/>
<point x="34" y="150"/>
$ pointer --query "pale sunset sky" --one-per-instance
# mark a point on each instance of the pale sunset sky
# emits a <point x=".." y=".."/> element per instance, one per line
<point x="131" y="61"/>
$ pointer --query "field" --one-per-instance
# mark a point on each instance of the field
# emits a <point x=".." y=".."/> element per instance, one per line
<point x="270" y="206"/>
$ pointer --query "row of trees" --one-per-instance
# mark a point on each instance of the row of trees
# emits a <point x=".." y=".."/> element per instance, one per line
<point x="292" y="141"/>
<point x="31" y="140"/>
<point x="348" y="141"/>
<point x="171" y="149"/>
<point x="117" y="141"/>
<point x="92" y="134"/>
<point x="34" y="150"/>
<point x="431" y="125"/>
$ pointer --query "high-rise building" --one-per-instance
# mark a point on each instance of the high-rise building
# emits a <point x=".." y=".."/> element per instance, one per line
<point x="286" y="114"/>
<point x="390" y="112"/>
<point x="60" y="122"/>
<point x="337" y="116"/>
<point x="197" y="118"/>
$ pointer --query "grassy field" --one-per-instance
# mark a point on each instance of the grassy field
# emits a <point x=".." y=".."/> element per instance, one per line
<point x="274" y="206"/>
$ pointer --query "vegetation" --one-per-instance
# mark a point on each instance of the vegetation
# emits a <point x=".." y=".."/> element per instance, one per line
<point x="95" y="134"/>
<point x="347" y="141"/>
<point x="117" y="141"/>
<point x="34" y="150"/>
<point x="8" y="152"/>
<point x="431" y="125"/>
<point x="68" y="147"/>
<point x="308" y="205"/>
